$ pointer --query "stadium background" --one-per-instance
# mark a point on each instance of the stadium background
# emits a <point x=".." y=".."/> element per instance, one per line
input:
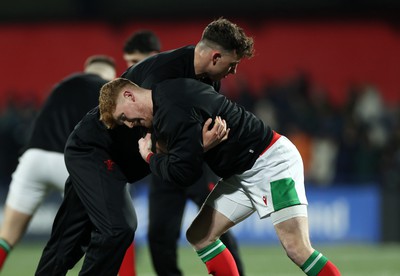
<point x="323" y="67"/>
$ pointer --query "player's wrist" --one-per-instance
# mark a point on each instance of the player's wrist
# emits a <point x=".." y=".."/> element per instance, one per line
<point x="149" y="155"/>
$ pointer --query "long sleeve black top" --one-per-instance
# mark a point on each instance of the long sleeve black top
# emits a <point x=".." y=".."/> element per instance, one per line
<point x="181" y="106"/>
<point x="67" y="103"/>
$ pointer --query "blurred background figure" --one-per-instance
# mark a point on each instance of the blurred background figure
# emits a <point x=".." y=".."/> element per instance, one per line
<point x="139" y="46"/>
<point x="41" y="167"/>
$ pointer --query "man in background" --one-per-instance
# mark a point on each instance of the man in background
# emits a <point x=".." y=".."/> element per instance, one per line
<point x="41" y="167"/>
<point x="140" y="45"/>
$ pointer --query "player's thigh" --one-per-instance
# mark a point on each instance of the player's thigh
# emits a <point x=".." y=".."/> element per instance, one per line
<point x="57" y="170"/>
<point x="231" y="200"/>
<point x="32" y="180"/>
<point x="207" y="227"/>
<point x="102" y="187"/>
<point x="220" y="212"/>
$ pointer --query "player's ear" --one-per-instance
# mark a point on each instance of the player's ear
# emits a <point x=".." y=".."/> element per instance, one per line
<point x="128" y="95"/>
<point x="216" y="55"/>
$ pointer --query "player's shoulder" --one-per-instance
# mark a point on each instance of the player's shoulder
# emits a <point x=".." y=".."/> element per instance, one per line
<point x="173" y="60"/>
<point x="182" y="90"/>
<point x="180" y="85"/>
<point x="90" y="127"/>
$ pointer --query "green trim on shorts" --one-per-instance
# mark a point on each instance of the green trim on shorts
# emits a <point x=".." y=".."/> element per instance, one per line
<point x="284" y="193"/>
<point x="210" y="251"/>
<point x="5" y="245"/>
<point x="314" y="264"/>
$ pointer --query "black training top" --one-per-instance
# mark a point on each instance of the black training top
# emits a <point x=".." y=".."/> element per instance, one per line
<point x="181" y="106"/>
<point x="90" y="139"/>
<point x="68" y="102"/>
<point x="177" y="63"/>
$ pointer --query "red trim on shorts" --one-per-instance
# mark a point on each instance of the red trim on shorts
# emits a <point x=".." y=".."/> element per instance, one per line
<point x="275" y="137"/>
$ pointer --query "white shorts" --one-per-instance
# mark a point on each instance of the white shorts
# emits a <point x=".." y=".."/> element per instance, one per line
<point x="274" y="183"/>
<point x="37" y="173"/>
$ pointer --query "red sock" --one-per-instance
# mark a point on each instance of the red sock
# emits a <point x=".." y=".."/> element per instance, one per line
<point x="5" y="248"/>
<point x="3" y="256"/>
<point x="329" y="270"/>
<point x="128" y="263"/>
<point x="222" y="264"/>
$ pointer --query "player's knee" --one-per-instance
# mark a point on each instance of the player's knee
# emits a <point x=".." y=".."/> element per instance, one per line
<point x="129" y="229"/>
<point x="298" y="252"/>
<point x="291" y="251"/>
<point x="191" y="236"/>
<point x="121" y="231"/>
<point x="123" y="235"/>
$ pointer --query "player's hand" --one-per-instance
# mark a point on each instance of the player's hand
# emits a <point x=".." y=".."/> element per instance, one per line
<point x="145" y="146"/>
<point x="216" y="135"/>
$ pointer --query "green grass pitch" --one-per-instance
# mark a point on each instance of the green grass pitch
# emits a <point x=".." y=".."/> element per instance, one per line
<point x="353" y="260"/>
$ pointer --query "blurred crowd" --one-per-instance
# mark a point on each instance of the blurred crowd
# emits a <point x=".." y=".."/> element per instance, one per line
<point x="355" y="142"/>
<point x="16" y="118"/>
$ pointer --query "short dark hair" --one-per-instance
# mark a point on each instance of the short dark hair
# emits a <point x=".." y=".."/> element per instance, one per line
<point x="100" y="58"/>
<point x="229" y="36"/>
<point x="143" y="41"/>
